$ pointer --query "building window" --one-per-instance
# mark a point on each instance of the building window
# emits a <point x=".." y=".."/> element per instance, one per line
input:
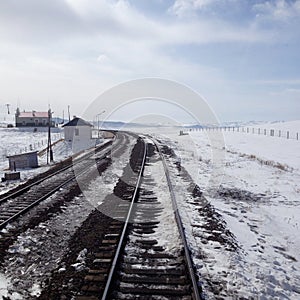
<point x="36" y="122"/>
<point x="76" y="131"/>
<point x="44" y="121"/>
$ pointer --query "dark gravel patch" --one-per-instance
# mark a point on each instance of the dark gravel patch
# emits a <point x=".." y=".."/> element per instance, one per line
<point x="29" y="220"/>
<point x="240" y="195"/>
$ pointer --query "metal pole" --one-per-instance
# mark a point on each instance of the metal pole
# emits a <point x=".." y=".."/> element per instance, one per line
<point x="98" y="122"/>
<point x="98" y="126"/>
<point x="69" y="113"/>
<point x="49" y="145"/>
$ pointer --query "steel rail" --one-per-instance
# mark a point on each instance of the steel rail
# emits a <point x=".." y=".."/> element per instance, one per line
<point x="122" y="237"/>
<point x="47" y="195"/>
<point x="28" y="187"/>
<point x="189" y="262"/>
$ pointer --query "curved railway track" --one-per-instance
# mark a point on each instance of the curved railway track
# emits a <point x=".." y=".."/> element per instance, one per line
<point x="143" y="254"/>
<point x="15" y="204"/>
<point x="60" y="167"/>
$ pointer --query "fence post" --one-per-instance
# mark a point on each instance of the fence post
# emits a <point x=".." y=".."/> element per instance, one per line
<point x="265" y="131"/>
<point x="287" y="134"/>
<point x="258" y="130"/>
<point x="279" y="133"/>
<point x="297" y="136"/>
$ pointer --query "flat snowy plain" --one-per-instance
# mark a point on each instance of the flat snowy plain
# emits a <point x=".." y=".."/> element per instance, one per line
<point x="253" y="182"/>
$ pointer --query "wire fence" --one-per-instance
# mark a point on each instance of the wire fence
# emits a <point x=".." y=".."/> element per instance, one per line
<point x="34" y="146"/>
<point x="287" y="134"/>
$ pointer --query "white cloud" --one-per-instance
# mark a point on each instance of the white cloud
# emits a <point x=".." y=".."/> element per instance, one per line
<point x="98" y="19"/>
<point x="91" y="45"/>
<point x="103" y="58"/>
<point x="280" y="10"/>
<point x="187" y="7"/>
<point x="117" y="42"/>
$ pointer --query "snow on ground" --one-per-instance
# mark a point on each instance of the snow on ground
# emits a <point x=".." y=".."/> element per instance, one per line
<point x="107" y="181"/>
<point x="168" y="236"/>
<point x="256" y="190"/>
<point x="292" y="126"/>
<point x="20" y="140"/>
<point x="255" y="187"/>
<point x="3" y="286"/>
<point x="39" y="250"/>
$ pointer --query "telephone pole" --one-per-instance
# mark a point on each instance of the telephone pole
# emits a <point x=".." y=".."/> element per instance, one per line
<point x="7" y="105"/>
<point x="69" y="113"/>
<point x="49" y="145"/>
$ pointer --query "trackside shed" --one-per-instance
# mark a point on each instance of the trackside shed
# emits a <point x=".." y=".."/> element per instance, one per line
<point x="23" y="161"/>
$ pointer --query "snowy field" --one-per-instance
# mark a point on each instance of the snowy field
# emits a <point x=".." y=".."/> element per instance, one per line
<point x="253" y="182"/>
<point x="20" y="140"/>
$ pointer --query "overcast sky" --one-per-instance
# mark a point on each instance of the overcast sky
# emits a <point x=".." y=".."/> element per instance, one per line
<point x="242" y="56"/>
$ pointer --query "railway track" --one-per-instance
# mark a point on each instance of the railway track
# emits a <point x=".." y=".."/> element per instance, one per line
<point x="58" y="168"/>
<point x="15" y="204"/>
<point x="143" y="253"/>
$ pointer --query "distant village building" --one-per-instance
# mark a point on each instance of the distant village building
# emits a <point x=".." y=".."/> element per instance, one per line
<point x="23" y="161"/>
<point x="33" y="119"/>
<point x="78" y="133"/>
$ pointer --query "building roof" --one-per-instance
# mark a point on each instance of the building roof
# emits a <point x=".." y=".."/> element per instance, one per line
<point x="33" y="114"/>
<point x="22" y="154"/>
<point x="77" y="122"/>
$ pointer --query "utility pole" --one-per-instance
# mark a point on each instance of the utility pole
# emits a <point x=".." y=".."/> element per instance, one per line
<point x="69" y="112"/>
<point x="49" y="145"/>
<point x="7" y="105"/>
<point x="98" y="122"/>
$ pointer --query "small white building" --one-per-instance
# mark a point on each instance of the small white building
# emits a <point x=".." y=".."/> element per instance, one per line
<point x="78" y="133"/>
